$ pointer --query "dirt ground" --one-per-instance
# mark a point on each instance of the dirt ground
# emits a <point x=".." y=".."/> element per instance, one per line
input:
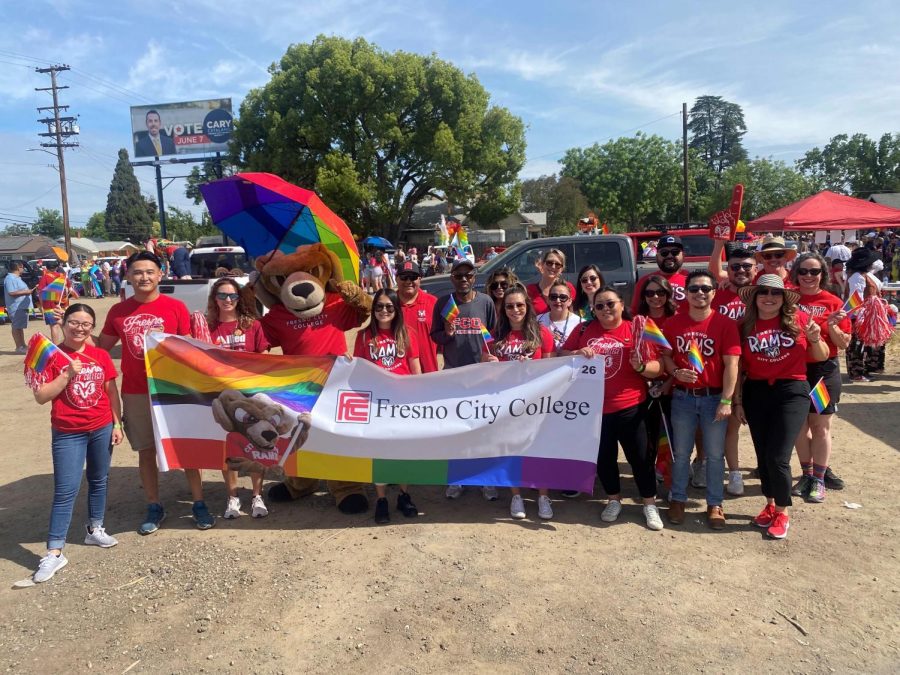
<point x="463" y="587"/>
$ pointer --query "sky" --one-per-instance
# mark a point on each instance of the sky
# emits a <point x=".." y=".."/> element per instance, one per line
<point x="577" y="73"/>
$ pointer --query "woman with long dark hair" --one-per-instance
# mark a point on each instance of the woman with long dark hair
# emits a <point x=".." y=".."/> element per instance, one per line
<point x="497" y="282"/>
<point x="777" y="340"/>
<point x="551" y="265"/>
<point x="560" y="320"/>
<point x="590" y="280"/>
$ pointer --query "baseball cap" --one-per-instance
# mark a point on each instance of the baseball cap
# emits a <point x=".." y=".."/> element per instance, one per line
<point x="460" y="263"/>
<point x="408" y="267"/>
<point x="669" y="240"/>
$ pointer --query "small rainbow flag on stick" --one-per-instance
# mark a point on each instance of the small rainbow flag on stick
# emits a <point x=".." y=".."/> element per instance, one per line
<point x="40" y="350"/>
<point x="819" y="396"/>
<point x="853" y="302"/>
<point x="450" y="311"/>
<point x="694" y="357"/>
<point x="54" y="291"/>
<point x="654" y="335"/>
<point x="485" y="333"/>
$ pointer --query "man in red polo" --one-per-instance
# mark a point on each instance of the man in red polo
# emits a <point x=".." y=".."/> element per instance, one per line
<point x="418" y="308"/>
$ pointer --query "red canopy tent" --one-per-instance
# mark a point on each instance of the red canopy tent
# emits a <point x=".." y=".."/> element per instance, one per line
<point x="827" y="211"/>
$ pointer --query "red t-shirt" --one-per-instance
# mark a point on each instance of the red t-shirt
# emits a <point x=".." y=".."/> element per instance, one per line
<point x="129" y="320"/>
<point x="819" y="306"/>
<point x="512" y="347"/>
<point x="46" y="278"/>
<point x="677" y="280"/>
<point x="320" y="335"/>
<point x="624" y="386"/>
<point x="83" y="405"/>
<point x="716" y="336"/>
<point x="770" y="354"/>
<point x="417" y="317"/>
<point x="238" y="445"/>
<point x="539" y="301"/>
<point x="728" y="303"/>
<point x="227" y="336"/>
<point x="382" y="351"/>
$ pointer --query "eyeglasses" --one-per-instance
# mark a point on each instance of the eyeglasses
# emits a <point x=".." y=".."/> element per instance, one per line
<point x="773" y="256"/>
<point x="591" y="279"/>
<point x="696" y="288"/>
<point x="83" y="325"/>
<point x="499" y="284"/>
<point x="465" y="275"/>
<point x="737" y="267"/>
<point x="668" y="252"/>
<point x="655" y="293"/>
<point x="407" y="277"/>
<point x="515" y="305"/>
<point x="803" y="271"/>
<point x="389" y="308"/>
<point x="553" y="263"/>
<point x="227" y="296"/>
<point x="558" y="297"/>
<point x="611" y="304"/>
<point x="777" y="292"/>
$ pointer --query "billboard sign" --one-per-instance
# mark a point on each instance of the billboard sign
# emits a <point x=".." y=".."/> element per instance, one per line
<point x="188" y="128"/>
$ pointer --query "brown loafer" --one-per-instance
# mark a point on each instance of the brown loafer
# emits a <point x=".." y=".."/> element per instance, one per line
<point x="676" y="512"/>
<point x="715" y="516"/>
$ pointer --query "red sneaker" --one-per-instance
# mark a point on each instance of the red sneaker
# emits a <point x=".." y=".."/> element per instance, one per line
<point x="779" y="527"/>
<point x="766" y="516"/>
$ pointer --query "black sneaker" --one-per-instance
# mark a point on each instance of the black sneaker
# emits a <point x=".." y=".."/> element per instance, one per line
<point x="382" y="512"/>
<point x="405" y="505"/>
<point x="570" y="494"/>
<point x="803" y="486"/>
<point x="832" y="482"/>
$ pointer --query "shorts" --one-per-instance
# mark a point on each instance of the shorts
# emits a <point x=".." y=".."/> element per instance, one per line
<point x="19" y="318"/>
<point x="137" y="420"/>
<point x="831" y="371"/>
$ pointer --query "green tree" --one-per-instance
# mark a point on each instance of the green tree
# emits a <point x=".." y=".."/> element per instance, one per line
<point x="633" y="180"/>
<point x="96" y="227"/>
<point x="376" y="132"/>
<point x="768" y="185"/>
<point x="537" y="193"/>
<point x="855" y="165"/>
<point x="181" y="225"/>
<point x="567" y="205"/>
<point x="49" y="223"/>
<point x="16" y="230"/>
<point x="716" y="131"/>
<point x="128" y="215"/>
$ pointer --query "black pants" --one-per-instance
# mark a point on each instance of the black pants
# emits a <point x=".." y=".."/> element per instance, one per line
<point x="862" y="360"/>
<point x="628" y="428"/>
<point x="775" y="414"/>
<point x="656" y="408"/>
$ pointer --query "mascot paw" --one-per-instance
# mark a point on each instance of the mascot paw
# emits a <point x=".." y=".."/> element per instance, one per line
<point x="244" y="466"/>
<point x="280" y="493"/>
<point x="351" y="504"/>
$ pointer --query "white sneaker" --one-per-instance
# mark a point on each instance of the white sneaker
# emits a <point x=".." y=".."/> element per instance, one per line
<point x="651" y="515"/>
<point x="699" y="478"/>
<point x="612" y="511"/>
<point x="735" y="484"/>
<point x="50" y="564"/>
<point x="454" y="491"/>
<point x="545" y="510"/>
<point x="259" y="507"/>
<point x="99" y="538"/>
<point x="233" y="510"/>
<point x="517" y="507"/>
<point x="490" y="493"/>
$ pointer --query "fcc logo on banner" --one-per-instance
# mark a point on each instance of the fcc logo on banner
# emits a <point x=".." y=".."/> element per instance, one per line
<point x="353" y="406"/>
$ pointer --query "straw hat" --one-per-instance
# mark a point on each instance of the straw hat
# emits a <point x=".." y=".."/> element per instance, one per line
<point x="768" y="281"/>
<point x="770" y="244"/>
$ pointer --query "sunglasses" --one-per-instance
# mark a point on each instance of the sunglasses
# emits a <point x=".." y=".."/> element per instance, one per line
<point x="737" y="267"/>
<point x="558" y="297"/>
<point x="591" y="279"/>
<point x="227" y="296"/>
<point x="773" y="256"/>
<point x="515" y="305"/>
<point x="777" y="292"/>
<point x="407" y="277"/>
<point x="655" y="293"/>
<point x="696" y="288"/>
<point x="611" y="304"/>
<point x="467" y="276"/>
<point x="553" y="263"/>
<point x="668" y="252"/>
<point x="380" y="307"/>
<point x="803" y="272"/>
<point x="499" y="284"/>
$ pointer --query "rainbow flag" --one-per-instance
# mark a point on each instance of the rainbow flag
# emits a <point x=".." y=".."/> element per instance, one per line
<point x="664" y="455"/>
<point x="853" y="302"/>
<point x="819" y="396"/>
<point x="451" y="310"/>
<point x="3" y="315"/>
<point x="53" y="292"/>
<point x="654" y="335"/>
<point x="40" y="351"/>
<point x="694" y="357"/>
<point x="486" y="335"/>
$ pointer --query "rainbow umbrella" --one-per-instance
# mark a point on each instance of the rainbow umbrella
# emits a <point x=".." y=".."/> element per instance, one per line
<point x="264" y="213"/>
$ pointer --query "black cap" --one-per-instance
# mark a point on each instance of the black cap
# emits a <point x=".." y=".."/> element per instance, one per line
<point x="408" y="267"/>
<point x="460" y="262"/>
<point x="669" y="240"/>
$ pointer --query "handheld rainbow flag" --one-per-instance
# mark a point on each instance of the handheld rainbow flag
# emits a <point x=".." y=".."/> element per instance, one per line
<point x="40" y="350"/>
<point x="486" y="334"/>
<point x="451" y="310"/>
<point x="694" y="357"/>
<point x="54" y="291"/>
<point x="664" y="455"/>
<point x="3" y="315"/>
<point x="819" y="396"/>
<point x="654" y="335"/>
<point x="853" y="302"/>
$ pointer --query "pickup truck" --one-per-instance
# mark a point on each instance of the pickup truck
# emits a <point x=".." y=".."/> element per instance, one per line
<point x="611" y="253"/>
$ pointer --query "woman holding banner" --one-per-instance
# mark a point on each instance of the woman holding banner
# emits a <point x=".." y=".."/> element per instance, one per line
<point x="387" y="344"/>
<point x="628" y="366"/>
<point x="521" y="338"/>
<point x="814" y="441"/>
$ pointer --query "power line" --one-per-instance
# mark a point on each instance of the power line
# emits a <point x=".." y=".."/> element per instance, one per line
<point x="32" y="201"/>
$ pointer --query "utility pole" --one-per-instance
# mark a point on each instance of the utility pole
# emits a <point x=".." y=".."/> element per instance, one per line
<point x="60" y="129"/>
<point x="684" y="150"/>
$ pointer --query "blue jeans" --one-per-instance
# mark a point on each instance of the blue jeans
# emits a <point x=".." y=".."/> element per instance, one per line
<point x="687" y="412"/>
<point x="71" y="449"/>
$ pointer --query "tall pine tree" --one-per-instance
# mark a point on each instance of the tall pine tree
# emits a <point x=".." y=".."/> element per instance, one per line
<point x="717" y="128"/>
<point x="127" y="216"/>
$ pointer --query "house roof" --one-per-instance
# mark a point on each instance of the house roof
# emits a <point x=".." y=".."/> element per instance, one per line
<point x="85" y="244"/>
<point x="24" y="245"/>
<point x="113" y="245"/>
<point x="535" y="217"/>
<point x="891" y="199"/>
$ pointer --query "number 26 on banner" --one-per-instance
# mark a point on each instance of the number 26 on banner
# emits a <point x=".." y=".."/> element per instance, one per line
<point x="591" y="369"/>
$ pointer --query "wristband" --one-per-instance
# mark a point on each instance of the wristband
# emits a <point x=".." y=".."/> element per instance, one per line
<point x="642" y="368"/>
<point x="117" y="425"/>
<point x="724" y="401"/>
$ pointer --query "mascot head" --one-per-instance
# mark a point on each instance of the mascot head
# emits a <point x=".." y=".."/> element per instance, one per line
<point x="257" y="417"/>
<point x="298" y="280"/>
